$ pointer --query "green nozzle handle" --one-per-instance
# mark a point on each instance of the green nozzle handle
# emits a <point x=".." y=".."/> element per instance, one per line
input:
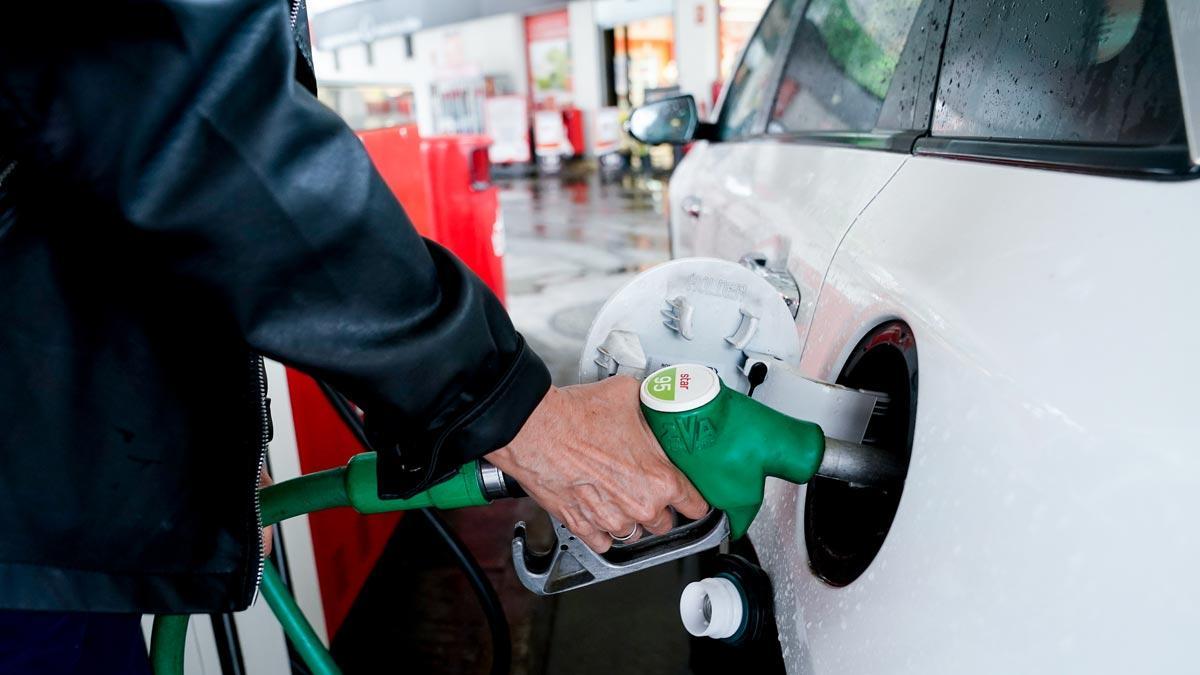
<point x="725" y="442"/>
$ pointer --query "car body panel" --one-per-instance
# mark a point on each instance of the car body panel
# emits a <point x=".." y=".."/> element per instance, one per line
<point x="1048" y="521"/>
<point x="791" y="201"/>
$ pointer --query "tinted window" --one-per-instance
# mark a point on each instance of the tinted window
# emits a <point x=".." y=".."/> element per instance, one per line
<point x="841" y="66"/>
<point x="751" y="82"/>
<point x="1082" y="71"/>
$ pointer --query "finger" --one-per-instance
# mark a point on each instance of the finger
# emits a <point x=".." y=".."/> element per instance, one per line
<point x="584" y="528"/>
<point x="688" y="501"/>
<point x="662" y="523"/>
<point x="599" y="542"/>
<point x="628" y="534"/>
<point x="577" y="522"/>
<point x="625" y="534"/>
<point x="605" y="515"/>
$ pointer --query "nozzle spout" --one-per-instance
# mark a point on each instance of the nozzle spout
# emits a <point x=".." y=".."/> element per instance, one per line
<point x="860" y="464"/>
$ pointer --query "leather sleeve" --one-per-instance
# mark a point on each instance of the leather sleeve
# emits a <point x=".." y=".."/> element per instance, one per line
<point x="182" y="120"/>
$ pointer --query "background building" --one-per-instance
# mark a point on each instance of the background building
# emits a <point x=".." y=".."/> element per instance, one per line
<point x="502" y="67"/>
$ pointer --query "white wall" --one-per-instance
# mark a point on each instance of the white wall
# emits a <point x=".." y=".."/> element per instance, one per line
<point x="611" y="13"/>
<point x="697" y="48"/>
<point x="587" y="69"/>
<point x="488" y="46"/>
<point x="493" y="45"/>
<point x="389" y="65"/>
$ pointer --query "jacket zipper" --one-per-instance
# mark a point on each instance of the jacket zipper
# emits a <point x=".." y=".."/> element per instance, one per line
<point x="295" y="11"/>
<point x="7" y="171"/>
<point x="263" y="440"/>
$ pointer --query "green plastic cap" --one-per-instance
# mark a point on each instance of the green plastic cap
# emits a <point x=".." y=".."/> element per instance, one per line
<point x="679" y="388"/>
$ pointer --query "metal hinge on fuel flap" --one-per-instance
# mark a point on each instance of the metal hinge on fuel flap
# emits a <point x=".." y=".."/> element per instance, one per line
<point x="694" y="310"/>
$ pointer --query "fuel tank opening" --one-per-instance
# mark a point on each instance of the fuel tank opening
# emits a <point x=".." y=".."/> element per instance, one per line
<point x="845" y="524"/>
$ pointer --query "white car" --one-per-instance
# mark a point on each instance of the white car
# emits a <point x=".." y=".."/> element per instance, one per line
<point x="988" y="211"/>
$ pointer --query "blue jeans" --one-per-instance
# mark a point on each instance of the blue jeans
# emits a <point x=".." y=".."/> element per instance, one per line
<point x="59" y="643"/>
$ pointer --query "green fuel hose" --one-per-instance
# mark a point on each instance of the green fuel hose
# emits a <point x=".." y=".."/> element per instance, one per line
<point x="295" y="626"/>
<point x="353" y="485"/>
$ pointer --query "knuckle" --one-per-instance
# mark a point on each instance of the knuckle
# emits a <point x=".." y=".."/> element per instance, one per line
<point x="684" y="492"/>
<point x="668" y="480"/>
<point x="615" y="525"/>
<point x="659" y="528"/>
<point x="579" y="526"/>
<point x="644" y="513"/>
<point x="655" y="526"/>
<point x="659" y="484"/>
<point x="681" y="494"/>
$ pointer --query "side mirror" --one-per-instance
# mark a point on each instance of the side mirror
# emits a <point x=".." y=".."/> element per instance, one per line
<point x="672" y="120"/>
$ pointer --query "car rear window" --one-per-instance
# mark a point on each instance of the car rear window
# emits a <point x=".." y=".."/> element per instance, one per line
<point x="1069" y="71"/>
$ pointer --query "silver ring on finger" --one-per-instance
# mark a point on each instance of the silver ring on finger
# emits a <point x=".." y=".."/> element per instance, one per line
<point x="632" y="533"/>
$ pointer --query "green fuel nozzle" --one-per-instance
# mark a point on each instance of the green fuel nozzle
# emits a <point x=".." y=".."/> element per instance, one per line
<point x="727" y="443"/>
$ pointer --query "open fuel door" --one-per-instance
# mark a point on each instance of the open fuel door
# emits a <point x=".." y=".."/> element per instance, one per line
<point x="728" y="317"/>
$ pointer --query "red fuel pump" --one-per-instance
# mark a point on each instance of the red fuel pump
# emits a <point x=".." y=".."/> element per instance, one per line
<point x="573" y="123"/>
<point x="444" y="183"/>
<point x="465" y="204"/>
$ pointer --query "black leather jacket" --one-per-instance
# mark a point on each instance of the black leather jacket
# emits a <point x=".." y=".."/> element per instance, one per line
<point x="174" y="203"/>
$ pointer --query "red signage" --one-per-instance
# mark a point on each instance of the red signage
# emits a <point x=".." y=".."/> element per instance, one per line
<point x="548" y="53"/>
<point x="548" y="26"/>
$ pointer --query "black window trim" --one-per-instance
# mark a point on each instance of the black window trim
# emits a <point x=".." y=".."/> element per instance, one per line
<point x="1164" y="162"/>
<point x="887" y="141"/>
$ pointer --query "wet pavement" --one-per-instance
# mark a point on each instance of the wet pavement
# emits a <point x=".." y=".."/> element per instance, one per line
<point x="570" y="243"/>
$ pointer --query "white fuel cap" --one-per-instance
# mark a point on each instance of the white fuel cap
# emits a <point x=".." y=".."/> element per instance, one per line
<point x="692" y="310"/>
<point x="679" y="388"/>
